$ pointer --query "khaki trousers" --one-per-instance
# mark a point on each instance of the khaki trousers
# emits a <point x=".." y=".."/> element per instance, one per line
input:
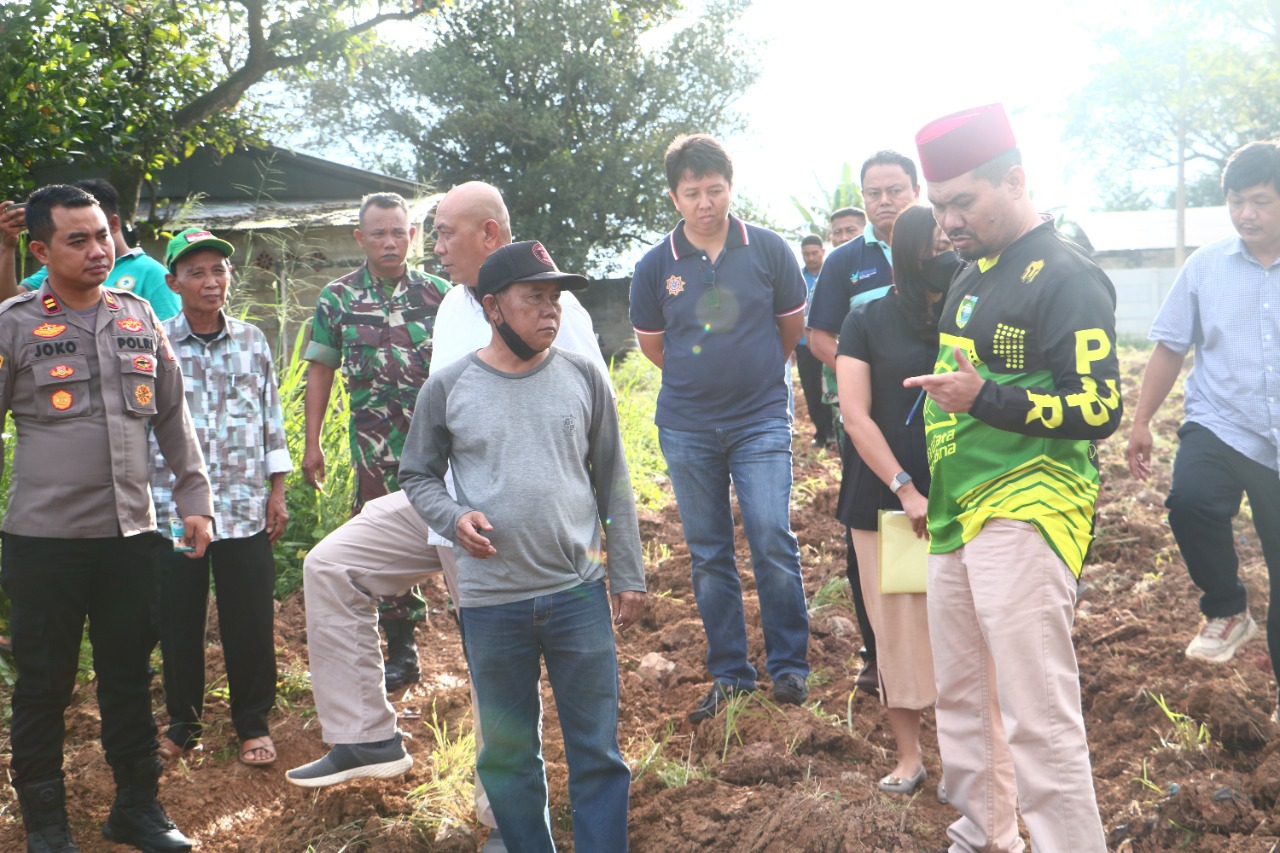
<point x="1009" y="717"/>
<point x="382" y="551"/>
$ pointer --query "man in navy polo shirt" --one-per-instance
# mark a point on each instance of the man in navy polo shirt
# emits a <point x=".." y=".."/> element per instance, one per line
<point x="856" y="272"/>
<point x="718" y="306"/>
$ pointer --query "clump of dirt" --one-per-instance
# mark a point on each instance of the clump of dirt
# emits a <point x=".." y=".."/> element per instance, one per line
<point x="779" y="778"/>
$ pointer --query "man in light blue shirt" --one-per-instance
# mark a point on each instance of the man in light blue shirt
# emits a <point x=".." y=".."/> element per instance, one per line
<point x="1225" y="303"/>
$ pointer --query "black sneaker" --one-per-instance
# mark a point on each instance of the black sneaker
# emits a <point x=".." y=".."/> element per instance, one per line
<point x="790" y="689"/>
<point x="384" y="760"/>
<point x="710" y="704"/>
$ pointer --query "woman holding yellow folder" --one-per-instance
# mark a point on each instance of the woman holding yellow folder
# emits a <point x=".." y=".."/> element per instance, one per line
<point x="881" y="344"/>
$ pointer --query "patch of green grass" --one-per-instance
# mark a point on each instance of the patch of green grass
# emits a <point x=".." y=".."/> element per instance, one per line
<point x="834" y="591"/>
<point x="1187" y="734"/>
<point x="636" y="381"/>
<point x="650" y="758"/>
<point x="448" y="795"/>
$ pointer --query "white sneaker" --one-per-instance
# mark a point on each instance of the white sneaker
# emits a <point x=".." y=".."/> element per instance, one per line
<point x="1219" y="638"/>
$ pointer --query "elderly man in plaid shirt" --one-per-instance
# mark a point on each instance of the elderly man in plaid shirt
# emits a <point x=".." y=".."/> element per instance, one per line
<point x="231" y="391"/>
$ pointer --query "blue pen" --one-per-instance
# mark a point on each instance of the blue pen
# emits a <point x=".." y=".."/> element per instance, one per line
<point x="911" y="414"/>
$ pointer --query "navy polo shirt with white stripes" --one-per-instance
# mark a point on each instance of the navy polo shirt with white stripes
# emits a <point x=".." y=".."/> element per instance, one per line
<point x="722" y="353"/>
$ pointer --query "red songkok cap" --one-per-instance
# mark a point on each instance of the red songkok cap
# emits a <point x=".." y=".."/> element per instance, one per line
<point x="960" y="142"/>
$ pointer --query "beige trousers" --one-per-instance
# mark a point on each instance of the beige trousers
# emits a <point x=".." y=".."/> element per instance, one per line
<point x="382" y="551"/>
<point x="1009" y="717"/>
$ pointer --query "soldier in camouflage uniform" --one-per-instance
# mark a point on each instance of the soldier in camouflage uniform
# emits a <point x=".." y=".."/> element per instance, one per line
<point x="376" y="324"/>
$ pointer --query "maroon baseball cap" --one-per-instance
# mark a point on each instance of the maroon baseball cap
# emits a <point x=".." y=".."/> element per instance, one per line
<point x="527" y="260"/>
<point x="963" y="141"/>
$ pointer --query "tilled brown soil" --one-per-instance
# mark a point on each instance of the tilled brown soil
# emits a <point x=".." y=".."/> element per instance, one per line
<point x="783" y="778"/>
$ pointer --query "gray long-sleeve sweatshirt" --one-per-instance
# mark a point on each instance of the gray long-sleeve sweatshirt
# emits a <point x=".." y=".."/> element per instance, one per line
<point x="540" y="454"/>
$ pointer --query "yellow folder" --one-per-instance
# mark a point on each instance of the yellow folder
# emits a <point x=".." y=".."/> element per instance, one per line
<point x="904" y="557"/>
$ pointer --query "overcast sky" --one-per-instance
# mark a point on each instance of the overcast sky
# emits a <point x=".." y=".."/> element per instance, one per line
<point x="840" y="80"/>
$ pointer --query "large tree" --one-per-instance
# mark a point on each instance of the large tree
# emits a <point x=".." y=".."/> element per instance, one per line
<point x="1202" y="83"/>
<point x="565" y="105"/>
<point x="133" y="85"/>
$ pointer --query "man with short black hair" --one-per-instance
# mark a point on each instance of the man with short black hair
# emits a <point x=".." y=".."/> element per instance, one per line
<point x="846" y="224"/>
<point x="718" y="306"/>
<point x="809" y="368"/>
<point x="1026" y="380"/>
<point x="84" y="370"/>
<point x="376" y="323"/>
<point x="134" y="270"/>
<point x="856" y="272"/>
<point x="1229" y="444"/>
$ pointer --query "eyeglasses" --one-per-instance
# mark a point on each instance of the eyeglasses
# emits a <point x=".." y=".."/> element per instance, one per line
<point x="713" y="295"/>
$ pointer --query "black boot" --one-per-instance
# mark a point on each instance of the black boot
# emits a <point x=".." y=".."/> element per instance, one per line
<point x="44" y="814"/>
<point x="137" y="818"/>
<point x="402" y="654"/>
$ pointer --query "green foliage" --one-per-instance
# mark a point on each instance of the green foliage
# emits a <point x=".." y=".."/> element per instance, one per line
<point x="817" y="216"/>
<point x="635" y="382"/>
<point x="565" y="105"/>
<point x="1208" y="72"/>
<point x="312" y="514"/>
<point x="1187" y="734"/>
<point x="130" y="86"/>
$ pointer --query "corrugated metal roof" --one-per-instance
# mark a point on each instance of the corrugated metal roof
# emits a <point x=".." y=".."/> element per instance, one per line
<point x="249" y="216"/>
<point x="1128" y="230"/>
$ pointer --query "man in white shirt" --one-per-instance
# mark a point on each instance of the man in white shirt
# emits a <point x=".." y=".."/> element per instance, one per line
<point x="381" y="551"/>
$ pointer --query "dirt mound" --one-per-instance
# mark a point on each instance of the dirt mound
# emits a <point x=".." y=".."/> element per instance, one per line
<point x="1185" y="756"/>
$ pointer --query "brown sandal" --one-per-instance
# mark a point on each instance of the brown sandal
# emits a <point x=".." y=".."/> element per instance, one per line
<point x="168" y="749"/>
<point x="258" y="751"/>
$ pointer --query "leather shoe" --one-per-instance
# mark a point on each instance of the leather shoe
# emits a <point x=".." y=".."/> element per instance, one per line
<point x="868" y="680"/>
<point x="710" y="704"/>
<point x="897" y="785"/>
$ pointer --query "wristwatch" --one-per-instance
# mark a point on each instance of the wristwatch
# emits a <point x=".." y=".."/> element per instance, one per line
<point x="899" y="480"/>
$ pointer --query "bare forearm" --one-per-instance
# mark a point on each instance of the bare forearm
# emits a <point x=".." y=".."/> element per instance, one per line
<point x="823" y="346"/>
<point x="1157" y="381"/>
<point x="316" y="404"/>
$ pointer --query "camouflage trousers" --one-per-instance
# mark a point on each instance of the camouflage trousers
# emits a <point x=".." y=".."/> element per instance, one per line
<point x="409" y="606"/>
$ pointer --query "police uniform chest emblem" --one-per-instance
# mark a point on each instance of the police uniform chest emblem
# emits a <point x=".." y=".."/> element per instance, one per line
<point x="966" y="310"/>
<point x="48" y="330"/>
<point x="126" y="282"/>
<point x="143" y="364"/>
<point x="1032" y="270"/>
<point x="61" y="400"/>
<point x="130" y="324"/>
<point x="142" y="394"/>
<point x="61" y="371"/>
<point x="675" y="285"/>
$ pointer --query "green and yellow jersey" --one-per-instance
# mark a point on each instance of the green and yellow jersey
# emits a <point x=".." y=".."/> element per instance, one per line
<point x="1038" y="324"/>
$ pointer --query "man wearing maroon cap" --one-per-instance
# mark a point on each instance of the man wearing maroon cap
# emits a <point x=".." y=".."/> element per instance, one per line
<point x="1026" y="380"/>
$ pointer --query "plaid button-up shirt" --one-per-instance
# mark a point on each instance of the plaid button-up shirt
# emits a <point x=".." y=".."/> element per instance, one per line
<point x="230" y="386"/>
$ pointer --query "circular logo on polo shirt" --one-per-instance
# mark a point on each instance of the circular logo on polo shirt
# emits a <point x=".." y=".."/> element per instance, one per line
<point x="125" y="282"/>
<point x="675" y="285"/>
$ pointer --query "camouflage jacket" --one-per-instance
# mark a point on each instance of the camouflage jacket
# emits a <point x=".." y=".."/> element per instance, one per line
<point x="379" y="333"/>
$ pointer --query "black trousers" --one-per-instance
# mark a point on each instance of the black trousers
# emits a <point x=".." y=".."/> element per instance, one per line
<point x="53" y="585"/>
<point x="244" y="576"/>
<point x="810" y="370"/>
<point x="1209" y="479"/>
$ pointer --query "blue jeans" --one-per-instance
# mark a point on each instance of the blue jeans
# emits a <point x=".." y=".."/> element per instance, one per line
<point x="573" y="631"/>
<point x="756" y="457"/>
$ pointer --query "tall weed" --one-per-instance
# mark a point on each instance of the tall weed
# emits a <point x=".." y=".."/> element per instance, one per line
<point x="312" y="514"/>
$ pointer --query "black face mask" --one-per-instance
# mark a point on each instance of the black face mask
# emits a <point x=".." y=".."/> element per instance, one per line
<point x="515" y="343"/>
<point x="940" y="269"/>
